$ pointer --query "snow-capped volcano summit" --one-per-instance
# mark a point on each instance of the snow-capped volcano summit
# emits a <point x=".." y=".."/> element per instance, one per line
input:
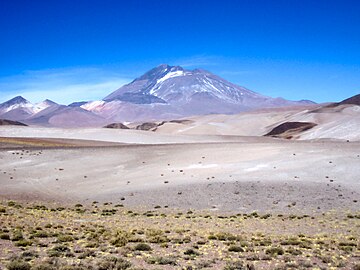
<point x="15" y="103"/>
<point x="177" y="86"/>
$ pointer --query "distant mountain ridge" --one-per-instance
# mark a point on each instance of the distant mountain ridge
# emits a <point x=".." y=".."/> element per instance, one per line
<point x="169" y="92"/>
<point x="48" y="113"/>
<point x="163" y="93"/>
<point x="175" y="85"/>
<point x="19" y="102"/>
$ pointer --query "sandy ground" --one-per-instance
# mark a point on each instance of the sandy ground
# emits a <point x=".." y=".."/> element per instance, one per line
<point x="236" y="174"/>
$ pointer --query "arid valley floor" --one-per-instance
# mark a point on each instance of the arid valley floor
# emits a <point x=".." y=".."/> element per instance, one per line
<point x="146" y="200"/>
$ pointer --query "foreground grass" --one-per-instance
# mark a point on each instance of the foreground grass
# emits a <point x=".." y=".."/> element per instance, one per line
<point x="109" y="236"/>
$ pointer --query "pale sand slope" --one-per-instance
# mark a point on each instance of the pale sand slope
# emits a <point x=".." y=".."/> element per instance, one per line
<point x="113" y="135"/>
<point x="341" y="122"/>
<point x="239" y="177"/>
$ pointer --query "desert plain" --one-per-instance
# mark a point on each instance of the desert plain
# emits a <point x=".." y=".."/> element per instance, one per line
<point x="172" y="198"/>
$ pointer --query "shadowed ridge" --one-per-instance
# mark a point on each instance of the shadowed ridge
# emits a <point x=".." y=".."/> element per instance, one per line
<point x="288" y="129"/>
<point x="354" y="100"/>
<point x="5" y="122"/>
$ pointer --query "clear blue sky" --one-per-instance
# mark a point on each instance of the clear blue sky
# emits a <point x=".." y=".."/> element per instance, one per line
<point x="69" y="50"/>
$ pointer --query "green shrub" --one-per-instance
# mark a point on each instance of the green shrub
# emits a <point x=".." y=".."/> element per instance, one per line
<point x="158" y="239"/>
<point x="17" y="235"/>
<point x="237" y="265"/>
<point x="191" y="252"/>
<point x="346" y="248"/>
<point x="5" y="236"/>
<point x="294" y="252"/>
<point x="162" y="260"/>
<point x="44" y="266"/>
<point x="120" y="239"/>
<point x="113" y="263"/>
<point x="156" y="236"/>
<point x="212" y="237"/>
<point x="266" y="216"/>
<point x="58" y="251"/>
<point x="74" y="267"/>
<point x="234" y="248"/>
<point x="40" y="234"/>
<point x="274" y="251"/>
<point x="29" y="254"/>
<point x="291" y="241"/>
<point x="40" y="207"/>
<point x="92" y="245"/>
<point x="142" y="247"/>
<point x="87" y="253"/>
<point x="201" y="242"/>
<point x="18" y="265"/>
<point x="23" y="243"/>
<point x="224" y="236"/>
<point x="65" y="238"/>
<point x="11" y="203"/>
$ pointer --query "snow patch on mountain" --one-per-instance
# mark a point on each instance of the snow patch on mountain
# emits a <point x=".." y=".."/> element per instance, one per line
<point x="171" y="75"/>
<point x="38" y="107"/>
<point x="159" y="82"/>
<point x="26" y="106"/>
<point x="94" y="106"/>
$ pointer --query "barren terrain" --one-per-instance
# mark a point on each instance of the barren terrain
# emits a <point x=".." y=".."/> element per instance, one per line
<point x="220" y="195"/>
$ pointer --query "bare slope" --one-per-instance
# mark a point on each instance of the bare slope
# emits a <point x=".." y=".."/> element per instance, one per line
<point x="340" y="122"/>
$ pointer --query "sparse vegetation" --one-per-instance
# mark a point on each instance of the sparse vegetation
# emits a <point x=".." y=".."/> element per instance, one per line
<point x="42" y="237"/>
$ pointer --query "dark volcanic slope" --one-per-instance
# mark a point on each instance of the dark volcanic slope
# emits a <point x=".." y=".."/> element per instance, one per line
<point x="4" y="122"/>
<point x="289" y="129"/>
<point x="355" y="100"/>
<point x="117" y="126"/>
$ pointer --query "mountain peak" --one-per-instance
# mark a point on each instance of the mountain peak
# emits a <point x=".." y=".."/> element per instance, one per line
<point x="201" y="71"/>
<point x="159" y="72"/>
<point x="16" y="100"/>
<point x="163" y="66"/>
<point x="48" y="101"/>
<point x="168" y="67"/>
<point x="197" y="91"/>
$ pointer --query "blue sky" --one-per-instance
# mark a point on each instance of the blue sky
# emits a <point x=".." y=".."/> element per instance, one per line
<point x="73" y="50"/>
